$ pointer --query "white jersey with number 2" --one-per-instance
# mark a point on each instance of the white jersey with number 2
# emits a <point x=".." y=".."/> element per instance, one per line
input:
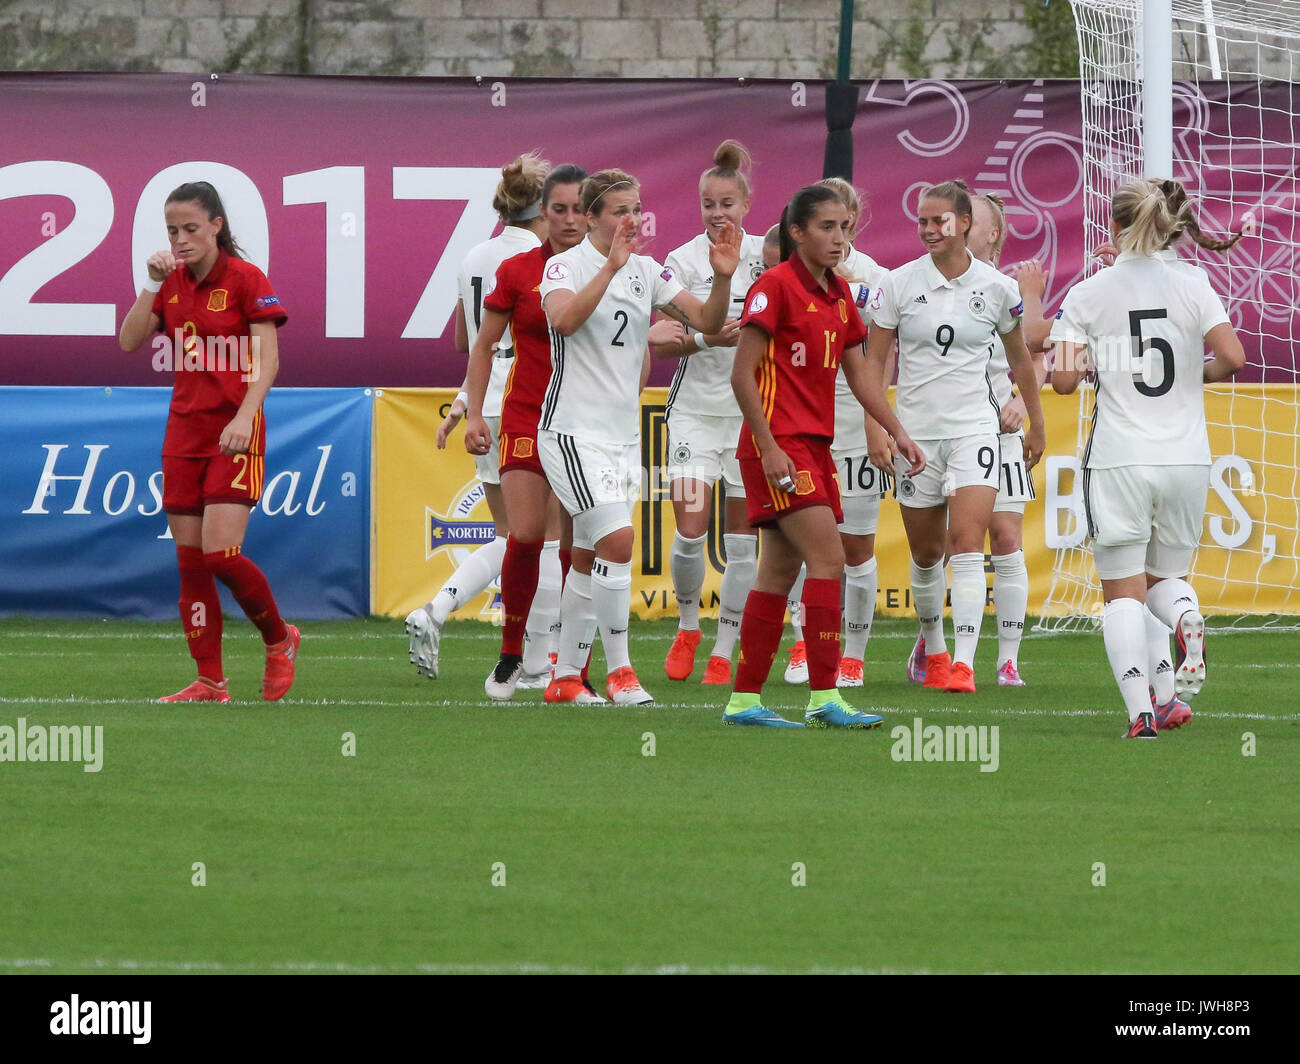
<point x="596" y="373"/>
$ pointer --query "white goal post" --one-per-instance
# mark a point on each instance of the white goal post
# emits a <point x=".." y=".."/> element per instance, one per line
<point x="1214" y="85"/>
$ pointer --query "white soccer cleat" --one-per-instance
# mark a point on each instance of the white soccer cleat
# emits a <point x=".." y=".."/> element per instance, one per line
<point x="797" y="670"/>
<point x="624" y="689"/>
<point x="503" y="680"/>
<point x="1189" y="670"/>
<point x="534" y="681"/>
<point x="424" y="634"/>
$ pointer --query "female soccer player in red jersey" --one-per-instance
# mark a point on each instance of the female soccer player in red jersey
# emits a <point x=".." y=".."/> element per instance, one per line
<point x="517" y="202"/>
<point x="799" y="325"/>
<point x="514" y="303"/>
<point x="213" y="456"/>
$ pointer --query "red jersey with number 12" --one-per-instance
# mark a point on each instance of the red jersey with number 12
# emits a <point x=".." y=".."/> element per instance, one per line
<point x="212" y="378"/>
<point x="808" y="329"/>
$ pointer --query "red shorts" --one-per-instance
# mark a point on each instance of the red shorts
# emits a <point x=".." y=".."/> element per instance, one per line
<point x="816" y="483"/>
<point x="517" y="443"/>
<point x="189" y="484"/>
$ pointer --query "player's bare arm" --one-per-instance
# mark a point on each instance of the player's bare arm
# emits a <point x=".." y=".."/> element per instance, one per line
<point x="237" y="436"/>
<point x="478" y="440"/>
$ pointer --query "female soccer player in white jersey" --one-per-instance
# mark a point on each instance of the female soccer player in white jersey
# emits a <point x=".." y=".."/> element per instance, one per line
<point x="704" y="425"/>
<point x="597" y="298"/>
<point x="1015" y="482"/>
<point x="946" y="309"/>
<point x="1140" y="327"/>
<point x="518" y="203"/>
<point x="863" y="457"/>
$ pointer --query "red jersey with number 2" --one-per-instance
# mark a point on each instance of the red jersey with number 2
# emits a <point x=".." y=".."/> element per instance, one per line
<point x="808" y="329"/>
<point x="212" y="379"/>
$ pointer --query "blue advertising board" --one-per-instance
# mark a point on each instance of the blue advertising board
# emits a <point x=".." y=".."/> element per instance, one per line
<point x="82" y="530"/>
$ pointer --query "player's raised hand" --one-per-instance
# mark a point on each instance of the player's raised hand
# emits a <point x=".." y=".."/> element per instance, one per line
<point x="624" y="244"/>
<point x="1108" y="253"/>
<point x="1030" y="278"/>
<point x="161" y="263"/>
<point x="724" y="252"/>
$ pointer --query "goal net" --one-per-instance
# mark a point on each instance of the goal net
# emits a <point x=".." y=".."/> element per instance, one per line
<point x="1235" y="68"/>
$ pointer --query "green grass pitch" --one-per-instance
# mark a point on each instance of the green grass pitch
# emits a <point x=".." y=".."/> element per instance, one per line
<point x="616" y="861"/>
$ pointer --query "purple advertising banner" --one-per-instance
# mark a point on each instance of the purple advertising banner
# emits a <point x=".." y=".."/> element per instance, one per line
<point x="360" y="196"/>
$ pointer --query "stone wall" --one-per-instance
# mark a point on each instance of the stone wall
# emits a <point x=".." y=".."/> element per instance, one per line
<point x="553" y="38"/>
<point x="557" y="38"/>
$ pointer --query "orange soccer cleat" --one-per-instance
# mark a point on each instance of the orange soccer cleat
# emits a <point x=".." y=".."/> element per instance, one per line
<point x="937" y="668"/>
<point x="961" y="679"/>
<point x="718" y="671"/>
<point x="850" y="674"/>
<point x="572" y="689"/>
<point x="281" y="658"/>
<point x="624" y="689"/>
<point x="681" y="655"/>
<point x="201" y="690"/>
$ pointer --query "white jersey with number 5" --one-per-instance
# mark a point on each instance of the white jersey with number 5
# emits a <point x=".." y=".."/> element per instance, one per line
<point x="864" y="275"/>
<point x="702" y="383"/>
<point x="596" y="373"/>
<point x="474" y="282"/>
<point x="1144" y="322"/>
<point x="946" y="330"/>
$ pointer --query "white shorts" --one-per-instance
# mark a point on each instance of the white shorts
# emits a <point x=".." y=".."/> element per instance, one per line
<point x="585" y="474"/>
<point x="704" y="448"/>
<point x="1015" y="482"/>
<point x="966" y="462"/>
<point x="488" y="465"/>
<point x="1145" y="518"/>
<point x="862" y="486"/>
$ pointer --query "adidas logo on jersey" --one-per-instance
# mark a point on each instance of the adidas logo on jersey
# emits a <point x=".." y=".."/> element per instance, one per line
<point x="812" y="308"/>
<point x="1133" y="674"/>
<point x="920" y="299"/>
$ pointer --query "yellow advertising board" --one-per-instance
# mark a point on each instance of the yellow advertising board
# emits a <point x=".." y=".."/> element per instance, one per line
<point x="430" y="512"/>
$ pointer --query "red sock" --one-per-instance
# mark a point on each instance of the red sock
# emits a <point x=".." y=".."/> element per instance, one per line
<point x="761" y="626"/>
<point x="566" y="563"/>
<point x="518" y="586"/>
<point x="821" y="631"/>
<point x="248" y="584"/>
<point x="200" y="612"/>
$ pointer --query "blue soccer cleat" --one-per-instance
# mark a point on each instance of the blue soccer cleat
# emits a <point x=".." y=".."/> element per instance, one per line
<point x="757" y="715"/>
<point x="836" y="713"/>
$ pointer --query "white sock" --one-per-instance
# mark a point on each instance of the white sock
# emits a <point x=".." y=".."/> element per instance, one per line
<point x="611" y="594"/>
<point x="577" y="624"/>
<point x="1011" y="598"/>
<point x="686" y="565"/>
<point x="929" y="589"/>
<point x="1168" y="600"/>
<point x="860" y="582"/>
<point x="1160" y="667"/>
<point x="1125" y="637"/>
<point x="969" y="593"/>
<point x="794" y="603"/>
<point x="544" y="616"/>
<point x="737" y="581"/>
<point x="479" y="570"/>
